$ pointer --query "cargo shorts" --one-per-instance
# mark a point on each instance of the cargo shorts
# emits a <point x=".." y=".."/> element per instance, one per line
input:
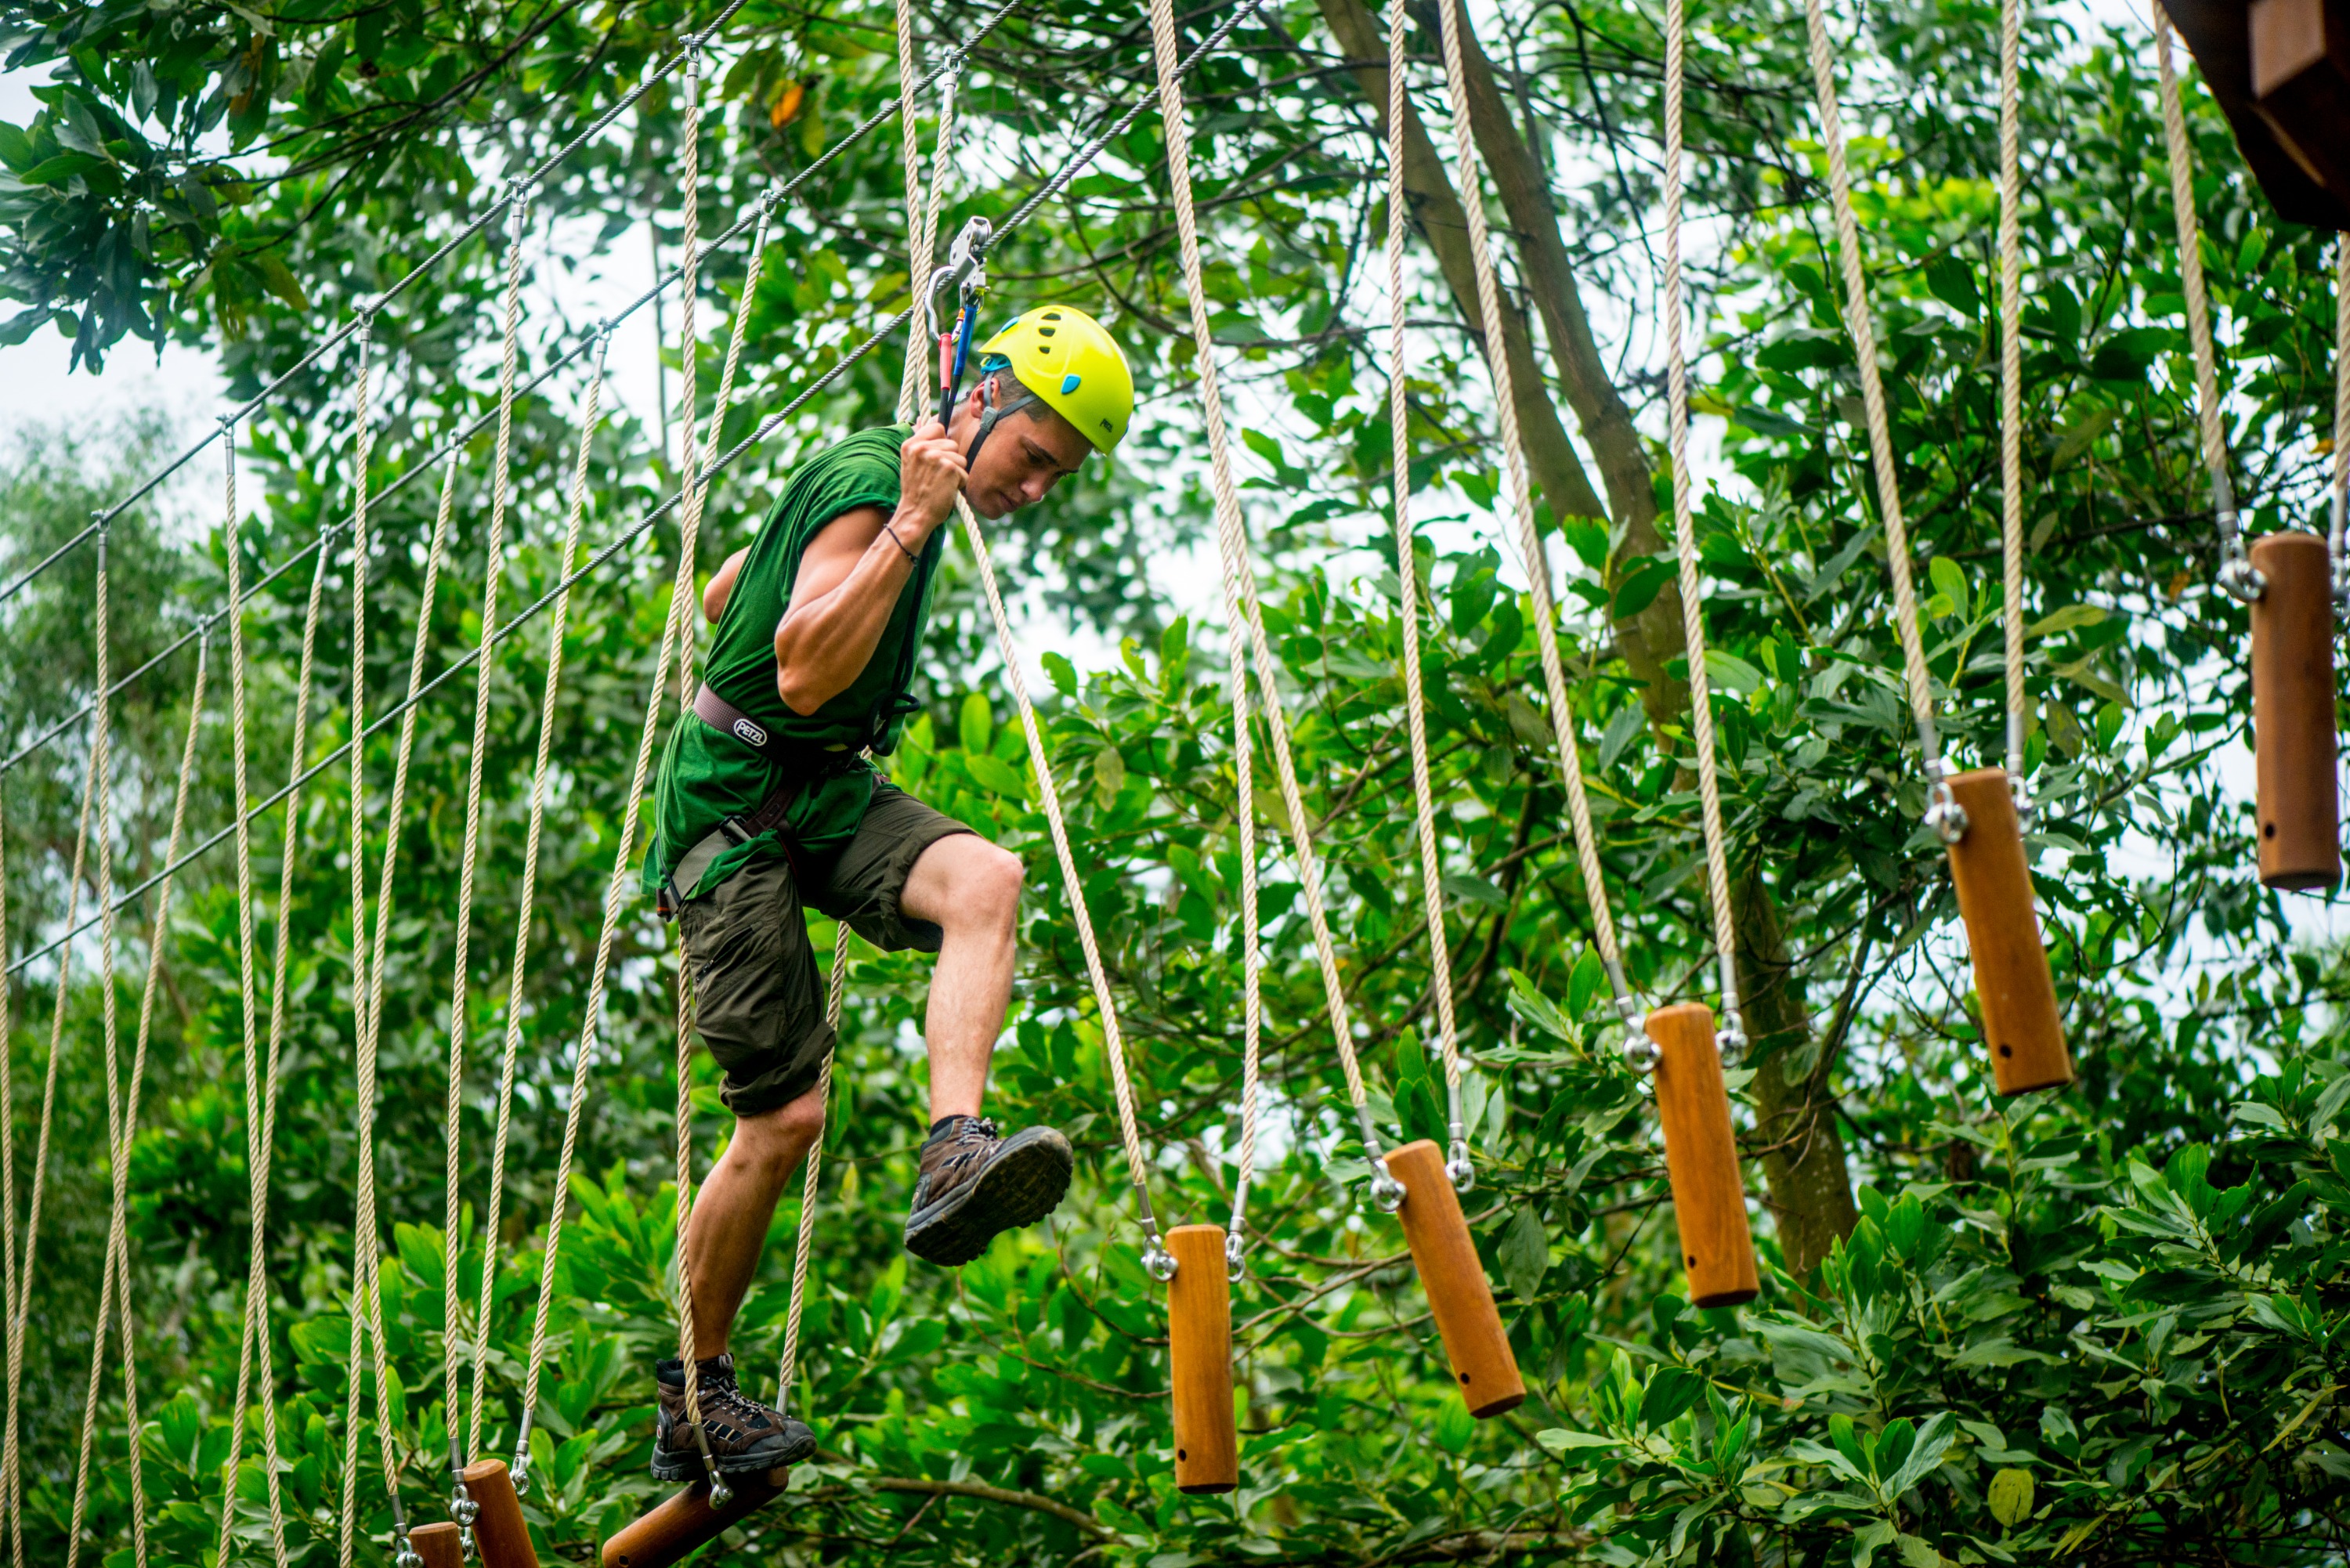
<point x="758" y="997"/>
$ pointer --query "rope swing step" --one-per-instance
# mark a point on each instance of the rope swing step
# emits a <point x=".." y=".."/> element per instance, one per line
<point x="1682" y="1047"/>
<point x="2289" y="581"/>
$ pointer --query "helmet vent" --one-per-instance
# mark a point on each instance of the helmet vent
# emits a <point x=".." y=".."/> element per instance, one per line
<point x="1069" y="384"/>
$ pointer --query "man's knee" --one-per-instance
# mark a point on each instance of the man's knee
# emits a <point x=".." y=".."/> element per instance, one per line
<point x="987" y="892"/>
<point x="780" y="1137"/>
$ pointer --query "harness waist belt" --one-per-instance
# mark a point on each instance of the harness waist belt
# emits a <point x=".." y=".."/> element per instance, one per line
<point x="770" y="814"/>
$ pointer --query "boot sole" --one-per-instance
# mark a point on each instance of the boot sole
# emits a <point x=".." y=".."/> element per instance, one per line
<point x="1026" y="1181"/>
<point x="687" y="1466"/>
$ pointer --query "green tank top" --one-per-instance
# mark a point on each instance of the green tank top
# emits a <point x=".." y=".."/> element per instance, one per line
<point x="707" y="775"/>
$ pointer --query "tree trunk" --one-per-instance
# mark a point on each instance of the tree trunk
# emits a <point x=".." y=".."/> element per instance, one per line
<point x="1811" y="1187"/>
<point x="1436" y="213"/>
<point x="1809" y="1180"/>
<point x="1651" y="639"/>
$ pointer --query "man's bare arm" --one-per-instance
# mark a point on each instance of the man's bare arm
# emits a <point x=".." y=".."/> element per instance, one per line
<point x="852" y="571"/>
<point x="849" y="579"/>
<point x="721" y="585"/>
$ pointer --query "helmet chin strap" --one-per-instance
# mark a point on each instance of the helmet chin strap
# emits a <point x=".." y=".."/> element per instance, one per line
<point x="995" y="412"/>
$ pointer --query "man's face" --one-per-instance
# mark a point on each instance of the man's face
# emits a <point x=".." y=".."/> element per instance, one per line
<point x="1024" y="457"/>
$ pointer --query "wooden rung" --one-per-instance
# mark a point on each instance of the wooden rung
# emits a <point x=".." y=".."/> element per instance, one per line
<point x="1200" y="1352"/>
<point x="440" y="1543"/>
<point x="2293" y="714"/>
<point x="686" y="1521"/>
<point x="1484" y="1368"/>
<point x="1701" y="1157"/>
<point x="499" y="1534"/>
<point x="1992" y="875"/>
<point x="2274" y="138"/>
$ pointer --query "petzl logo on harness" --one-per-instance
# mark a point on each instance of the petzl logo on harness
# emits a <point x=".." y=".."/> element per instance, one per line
<point x="750" y="732"/>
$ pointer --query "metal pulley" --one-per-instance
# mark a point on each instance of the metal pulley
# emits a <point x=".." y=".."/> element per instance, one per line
<point x="962" y="281"/>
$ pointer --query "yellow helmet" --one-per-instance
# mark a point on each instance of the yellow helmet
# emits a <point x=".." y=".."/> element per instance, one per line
<point x="1074" y="366"/>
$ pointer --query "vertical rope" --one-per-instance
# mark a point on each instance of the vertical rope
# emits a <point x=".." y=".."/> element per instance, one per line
<point x="674" y="633"/>
<point x="1732" y="1036"/>
<point x="1112" y="1038"/>
<point x="11" y="1517"/>
<point x="1533" y="552"/>
<point x="367" y="1294"/>
<point x="2236" y="574"/>
<point x="541" y="767"/>
<point x="102" y="749"/>
<point x="13" y="1454"/>
<point x="921" y="238"/>
<point x="2341" y="484"/>
<point x="2010" y="382"/>
<point x="688" y="468"/>
<point x="122" y="1132"/>
<point x="459" y="980"/>
<point x="836" y="993"/>
<point x="254" y="1334"/>
<point x="1408" y="580"/>
<point x="1241" y="596"/>
<point x="1861" y="323"/>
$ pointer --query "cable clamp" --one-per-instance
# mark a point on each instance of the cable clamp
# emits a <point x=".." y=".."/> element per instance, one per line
<point x="964" y="277"/>
<point x="1457" y="1164"/>
<point x="1944" y="814"/>
<point x="407" y="1556"/>
<point x="721" y="1494"/>
<point x="1234" y="1269"/>
<point x="2026" y="810"/>
<point x="2238" y="578"/>
<point x="1729" y="1041"/>
<point x="1156" y="1259"/>
<point x="1386" y="1192"/>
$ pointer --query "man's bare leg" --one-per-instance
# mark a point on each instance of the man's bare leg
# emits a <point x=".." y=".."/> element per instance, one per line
<point x="728" y="1229"/>
<point x="971" y="890"/>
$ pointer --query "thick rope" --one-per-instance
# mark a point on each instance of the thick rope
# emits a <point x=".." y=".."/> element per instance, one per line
<point x="102" y="748"/>
<point x="836" y="993"/>
<point x="1861" y="323"/>
<point x="689" y="467"/>
<point x="366" y="1274"/>
<point x="2341" y="485"/>
<point x="541" y="767"/>
<point x="1534" y="553"/>
<point x="1732" y="1036"/>
<point x="921" y="237"/>
<point x="122" y="1132"/>
<point x="258" y="1089"/>
<point x="1241" y="603"/>
<point x="10" y="1518"/>
<point x="459" y="980"/>
<point x="2011" y="381"/>
<point x="11" y="1454"/>
<point x="1431" y="890"/>
<point x="1113" y="1039"/>
<point x="2236" y="574"/>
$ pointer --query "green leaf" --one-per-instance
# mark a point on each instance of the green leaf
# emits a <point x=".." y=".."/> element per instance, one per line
<point x="995" y="774"/>
<point x="2072" y="618"/>
<point x="1629" y="720"/>
<point x="1732" y="672"/>
<point x="1585" y="982"/>
<point x="2010" y="1497"/>
<point x="1952" y="281"/>
<point x="1950" y="582"/>
<point x="279" y="279"/>
<point x="1525" y="1253"/>
<point x="1639" y="586"/>
<point x="1529" y="1003"/>
<point x="1060" y="672"/>
<point x="1670" y="1392"/>
<point x="1476" y="890"/>
<point x="1530" y="728"/>
<point x="1559" y="1440"/>
<point x="1454" y="1426"/>
<point x="1109" y="775"/>
<point x="62" y="168"/>
<point x="975" y="723"/>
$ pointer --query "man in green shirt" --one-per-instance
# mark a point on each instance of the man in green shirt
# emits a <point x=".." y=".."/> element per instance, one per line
<point x="766" y="805"/>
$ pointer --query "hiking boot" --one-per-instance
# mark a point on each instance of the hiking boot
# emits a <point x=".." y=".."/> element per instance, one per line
<point x="974" y="1185"/>
<point x="745" y="1435"/>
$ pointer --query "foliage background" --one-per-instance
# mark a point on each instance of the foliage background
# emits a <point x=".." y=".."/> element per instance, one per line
<point x="2105" y="1325"/>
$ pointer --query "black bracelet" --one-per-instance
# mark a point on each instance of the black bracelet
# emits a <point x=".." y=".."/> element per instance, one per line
<point x="899" y="542"/>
